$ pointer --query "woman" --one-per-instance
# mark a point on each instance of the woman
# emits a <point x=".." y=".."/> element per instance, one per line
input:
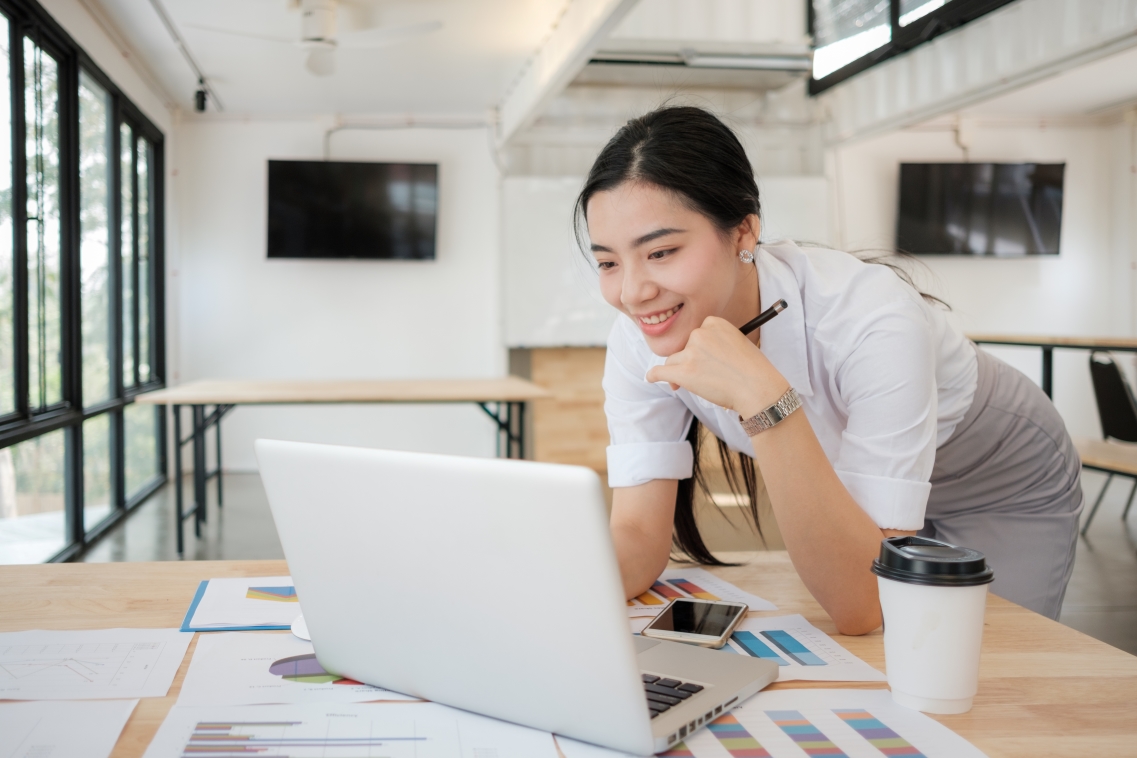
<point x="904" y="428"/>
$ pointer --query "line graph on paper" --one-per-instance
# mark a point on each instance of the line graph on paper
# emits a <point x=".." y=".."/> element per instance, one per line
<point x="105" y="665"/>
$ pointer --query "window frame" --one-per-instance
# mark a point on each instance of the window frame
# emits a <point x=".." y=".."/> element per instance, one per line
<point x="27" y="18"/>
<point x="953" y="14"/>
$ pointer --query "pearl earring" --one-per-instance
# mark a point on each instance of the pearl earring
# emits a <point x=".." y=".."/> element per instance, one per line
<point x="746" y="256"/>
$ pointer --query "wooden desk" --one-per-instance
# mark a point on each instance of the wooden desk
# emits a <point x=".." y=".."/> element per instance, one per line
<point x="503" y="400"/>
<point x="1119" y="344"/>
<point x="1045" y="689"/>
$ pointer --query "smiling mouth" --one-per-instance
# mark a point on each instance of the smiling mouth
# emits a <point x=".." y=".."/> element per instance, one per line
<point x="659" y="318"/>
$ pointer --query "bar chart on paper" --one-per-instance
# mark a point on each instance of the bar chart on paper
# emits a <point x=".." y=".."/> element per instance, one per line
<point x="273" y="594"/>
<point x="829" y="723"/>
<point x="297" y="739"/>
<point x="801" y="650"/>
<point x="692" y="583"/>
<point x="326" y="730"/>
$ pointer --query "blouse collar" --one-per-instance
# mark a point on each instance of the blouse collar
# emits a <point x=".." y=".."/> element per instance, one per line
<point x="784" y="338"/>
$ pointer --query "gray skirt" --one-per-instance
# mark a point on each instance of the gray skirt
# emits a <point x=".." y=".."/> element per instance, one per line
<point x="1008" y="483"/>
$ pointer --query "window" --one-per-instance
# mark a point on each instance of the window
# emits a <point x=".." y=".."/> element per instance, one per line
<point x="850" y="36"/>
<point x="80" y="294"/>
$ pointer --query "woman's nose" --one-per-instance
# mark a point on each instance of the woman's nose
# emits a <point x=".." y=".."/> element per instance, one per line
<point x="637" y="287"/>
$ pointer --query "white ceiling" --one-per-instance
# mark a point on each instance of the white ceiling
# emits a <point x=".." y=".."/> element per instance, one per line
<point x="462" y="69"/>
<point x="1086" y="90"/>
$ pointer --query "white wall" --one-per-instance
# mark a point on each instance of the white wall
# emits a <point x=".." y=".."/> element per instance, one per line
<point x="243" y="316"/>
<point x="1073" y="293"/>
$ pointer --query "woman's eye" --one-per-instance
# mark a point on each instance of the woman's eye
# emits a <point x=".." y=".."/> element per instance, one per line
<point x="605" y="265"/>
<point x="660" y="254"/>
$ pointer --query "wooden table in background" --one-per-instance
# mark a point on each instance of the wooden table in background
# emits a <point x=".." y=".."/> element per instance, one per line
<point x="503" y="400"/>
<point x="1045" y="689"/>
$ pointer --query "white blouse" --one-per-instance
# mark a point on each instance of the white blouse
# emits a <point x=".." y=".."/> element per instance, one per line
<point x="884" y="379"/>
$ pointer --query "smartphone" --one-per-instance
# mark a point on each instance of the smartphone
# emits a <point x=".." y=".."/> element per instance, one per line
<point x="707" y="623"/>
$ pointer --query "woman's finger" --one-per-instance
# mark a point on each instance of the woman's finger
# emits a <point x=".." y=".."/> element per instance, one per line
<point x="672" y="373"/>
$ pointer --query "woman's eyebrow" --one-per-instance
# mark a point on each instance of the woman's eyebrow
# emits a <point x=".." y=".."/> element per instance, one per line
<point x="650" y="236"/>
<point x="655" y="235"/>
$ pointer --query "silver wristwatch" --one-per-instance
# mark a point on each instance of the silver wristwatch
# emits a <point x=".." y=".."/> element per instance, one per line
<point x="760" y="422"/>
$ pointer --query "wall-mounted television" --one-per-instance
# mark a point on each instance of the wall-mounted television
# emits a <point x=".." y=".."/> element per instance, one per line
<point x="993" y="209"/>
<point x="335" y="209"/>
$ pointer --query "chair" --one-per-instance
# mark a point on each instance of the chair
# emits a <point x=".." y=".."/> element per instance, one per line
<point x="1117" y="410"/>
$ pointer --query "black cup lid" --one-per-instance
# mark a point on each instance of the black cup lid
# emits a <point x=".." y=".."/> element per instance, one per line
<point x="918" y="560"/>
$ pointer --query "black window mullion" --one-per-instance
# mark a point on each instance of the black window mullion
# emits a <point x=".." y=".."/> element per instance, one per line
<point x="19" y="217"/>
<point x="115" y="239"/>
<point x="71" y="340"/>
<point x="134" y="228"/>
<point x="115" y="272"/>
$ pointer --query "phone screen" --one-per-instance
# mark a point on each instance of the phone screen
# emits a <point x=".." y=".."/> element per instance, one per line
<point x="689" y="617"/>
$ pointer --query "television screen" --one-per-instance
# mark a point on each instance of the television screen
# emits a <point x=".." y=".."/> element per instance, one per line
<point x="1001" y="209"/>
<point x="332" y="209"/>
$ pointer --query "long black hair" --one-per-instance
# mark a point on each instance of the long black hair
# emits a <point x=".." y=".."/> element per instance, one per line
<point x="690" y="152"/>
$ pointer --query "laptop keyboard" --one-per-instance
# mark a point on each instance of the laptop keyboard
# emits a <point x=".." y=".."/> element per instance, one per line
<point x="663" y="693"/>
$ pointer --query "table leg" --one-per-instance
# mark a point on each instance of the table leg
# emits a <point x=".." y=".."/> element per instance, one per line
<point x="218" y="411"/>
<point x="1048" y="371"/>
<point x="199" y="466"/>
<point x="510" y="419"/>
<point x="497" y="441"/>
<point x="178" y="518"/>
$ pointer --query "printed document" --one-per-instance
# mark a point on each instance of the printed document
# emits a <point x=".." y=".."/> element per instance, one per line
<point x="90" y="664"/>
<point x="247" y="668"/>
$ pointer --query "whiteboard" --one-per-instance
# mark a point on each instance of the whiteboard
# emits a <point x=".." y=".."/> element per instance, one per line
<point x="552" y="298"/>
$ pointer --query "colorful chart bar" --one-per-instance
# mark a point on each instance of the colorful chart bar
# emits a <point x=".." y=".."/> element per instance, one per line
<point x="666" y="590"/>
<point x="217" y="738"/>
<point x="693" y="589"/>
<point x="679" y="751"/>
<point x="794" y="649"/>
<point x="734" y="737"/>
<point x="878" y="735"/>
<point x="757" y="648"/>
<point x="648" y="599"/>
<point x="808" y="737"/>
<point x="275" y="594"/>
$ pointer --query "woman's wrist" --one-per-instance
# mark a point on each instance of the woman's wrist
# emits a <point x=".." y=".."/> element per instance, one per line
<point x="754" y="402"/>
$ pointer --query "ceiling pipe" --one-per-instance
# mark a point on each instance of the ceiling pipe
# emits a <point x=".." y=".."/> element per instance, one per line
<point x="203" y="81"/>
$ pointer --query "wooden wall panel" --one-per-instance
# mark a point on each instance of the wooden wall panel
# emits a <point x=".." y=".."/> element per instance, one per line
<point x="570" y="427"/>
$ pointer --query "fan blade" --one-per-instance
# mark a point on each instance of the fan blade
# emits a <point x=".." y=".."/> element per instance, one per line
<point x="386" y="35"/>
<point x="321" y="62"/>
<point x="235" y="33"/>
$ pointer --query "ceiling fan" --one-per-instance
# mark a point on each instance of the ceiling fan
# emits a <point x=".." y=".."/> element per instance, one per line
<point x="319" y="38"/>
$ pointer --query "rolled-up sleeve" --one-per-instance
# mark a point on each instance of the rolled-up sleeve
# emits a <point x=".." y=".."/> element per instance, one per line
<point x="647" y="423"/>
<point x="887" y="382"/>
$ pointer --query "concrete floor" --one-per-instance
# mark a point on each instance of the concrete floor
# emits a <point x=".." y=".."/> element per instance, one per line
<point x="241" y="530"/>
<point x="1101" y="600"/>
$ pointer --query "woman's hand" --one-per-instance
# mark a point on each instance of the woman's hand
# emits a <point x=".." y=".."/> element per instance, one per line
<point x="721" y="365"/>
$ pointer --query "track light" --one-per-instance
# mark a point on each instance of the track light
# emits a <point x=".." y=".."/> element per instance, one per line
<point x="199" y="97"/>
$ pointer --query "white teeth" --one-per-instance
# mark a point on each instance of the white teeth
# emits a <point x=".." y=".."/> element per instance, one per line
<point x="659" y="319"/>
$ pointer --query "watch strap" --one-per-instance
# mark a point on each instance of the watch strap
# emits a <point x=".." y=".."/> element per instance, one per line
<point x="772" y="416"/>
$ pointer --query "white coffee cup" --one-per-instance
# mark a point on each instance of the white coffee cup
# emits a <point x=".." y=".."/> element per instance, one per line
<point x="933" y="596"/>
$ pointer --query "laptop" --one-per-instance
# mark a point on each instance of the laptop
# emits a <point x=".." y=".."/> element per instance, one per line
<point x="488" y="585"/>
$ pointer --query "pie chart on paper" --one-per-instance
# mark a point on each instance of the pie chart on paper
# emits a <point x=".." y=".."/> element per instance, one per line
<point x="306" y="669"/>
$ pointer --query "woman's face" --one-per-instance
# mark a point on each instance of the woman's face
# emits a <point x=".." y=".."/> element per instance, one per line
<point x="668" y="267"/>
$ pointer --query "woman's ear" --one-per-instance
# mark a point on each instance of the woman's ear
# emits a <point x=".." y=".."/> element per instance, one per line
<point x="749" y="232"/>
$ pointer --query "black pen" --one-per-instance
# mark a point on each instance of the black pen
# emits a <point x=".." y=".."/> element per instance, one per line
<point x="763" y="317"/>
